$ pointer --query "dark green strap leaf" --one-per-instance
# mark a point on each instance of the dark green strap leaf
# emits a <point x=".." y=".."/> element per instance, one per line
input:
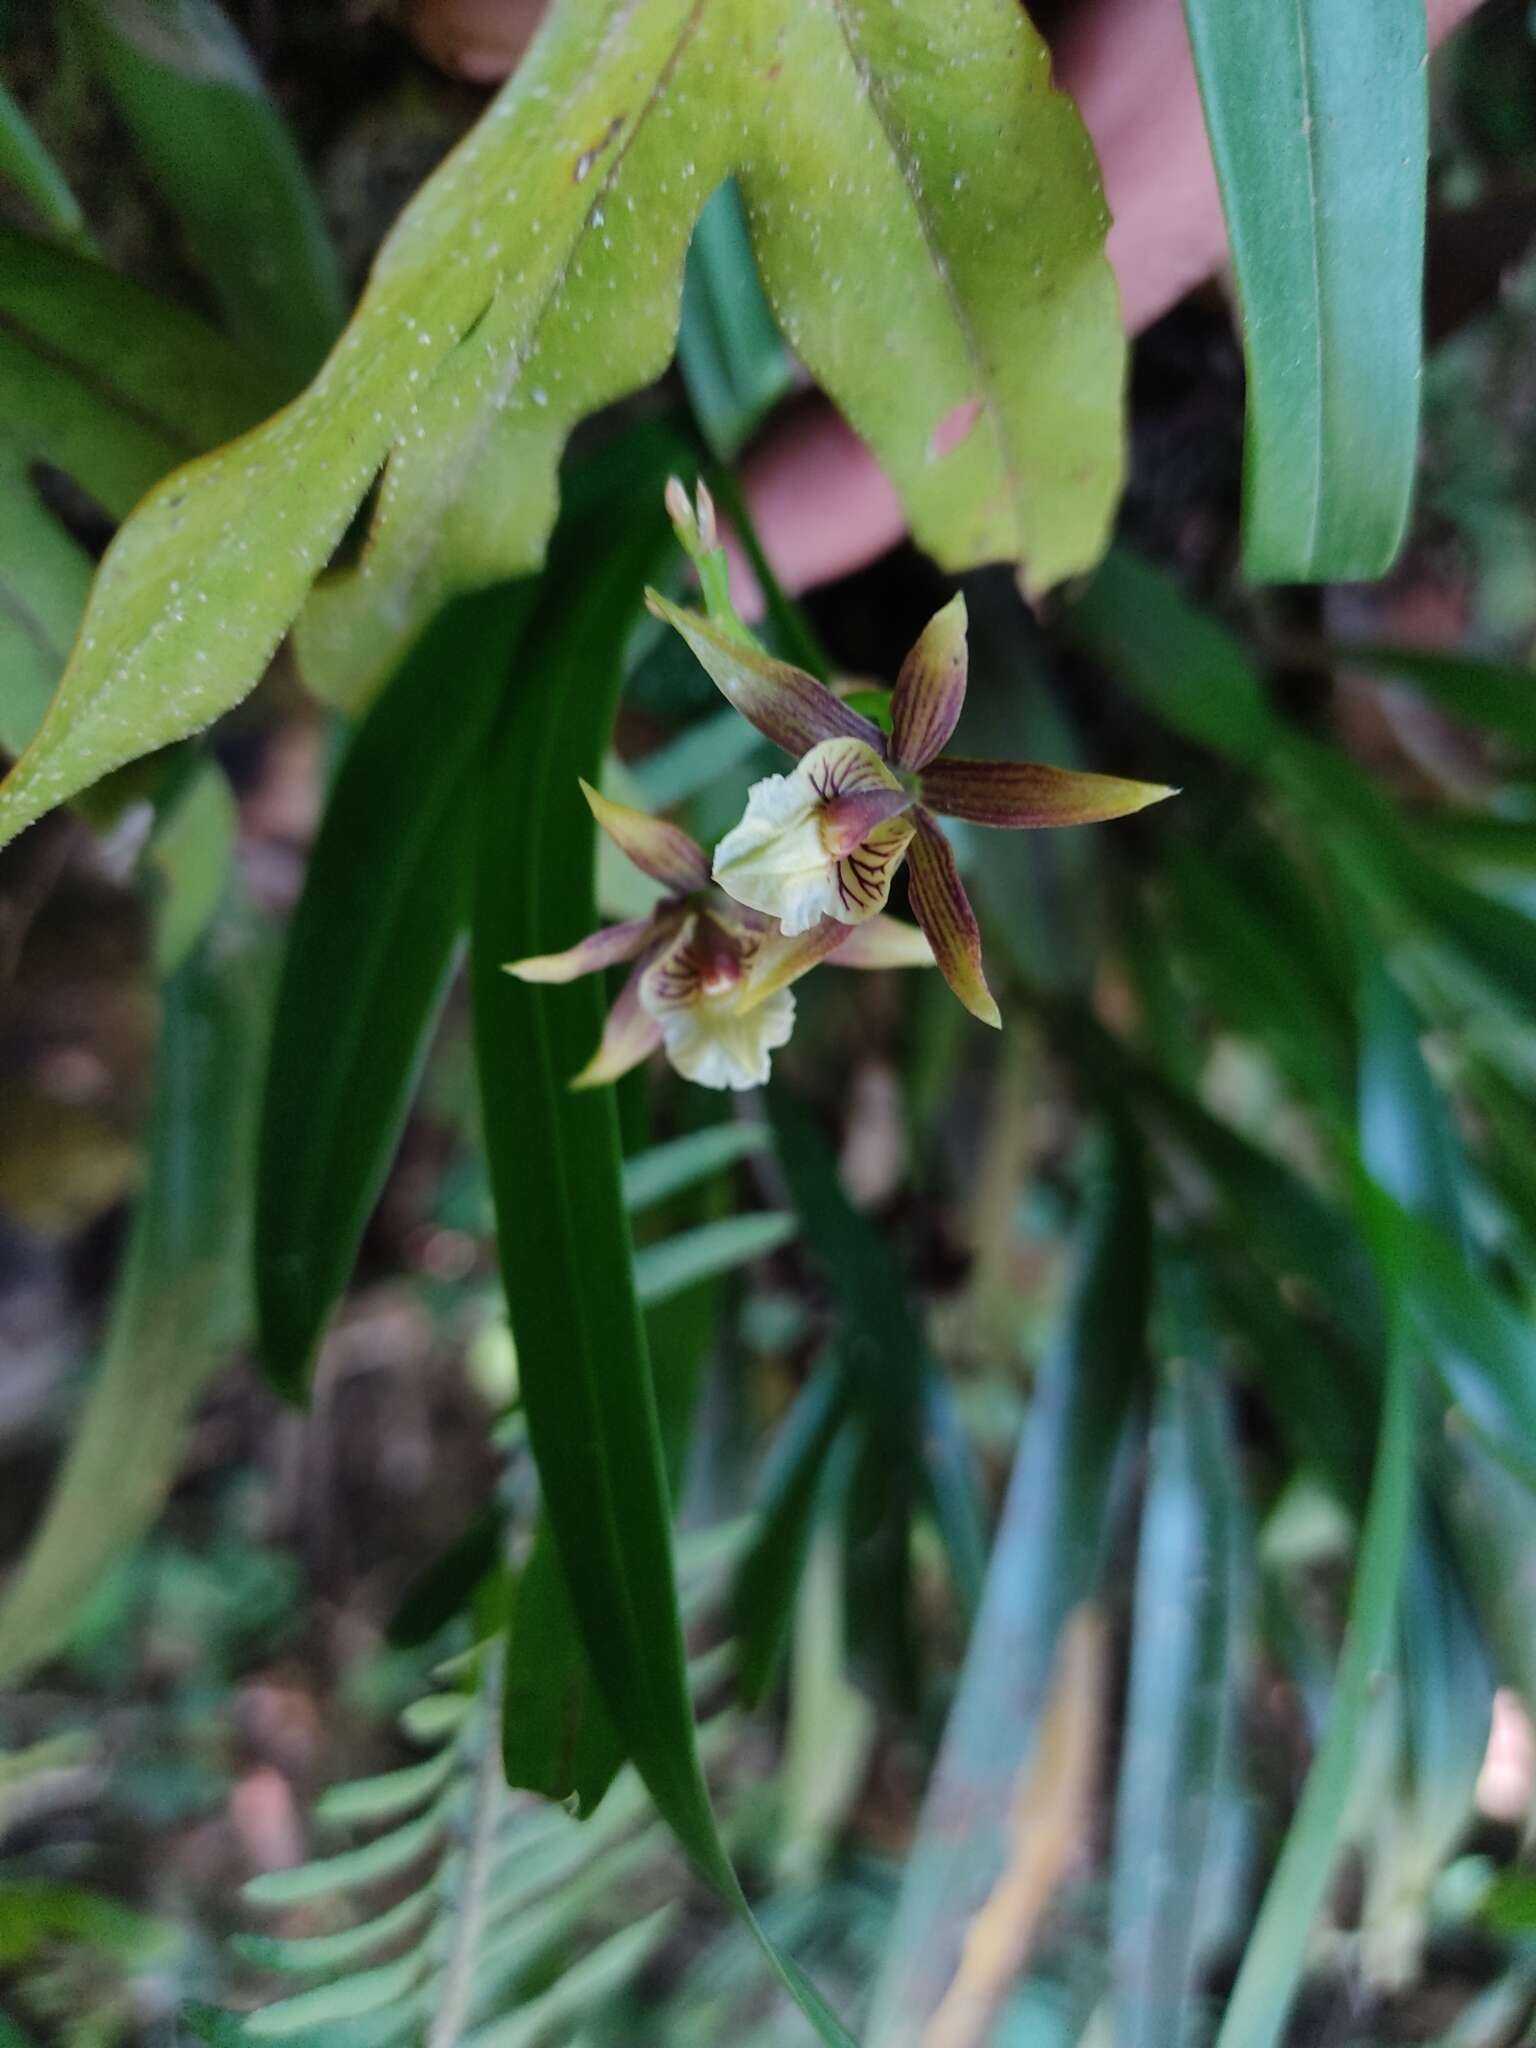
<point x="1318" y="116"/>
<point x="194" y="103"/>
<point x="369" y="954"/>
<point x="554" y="1155"/>
<point x="181" y="1298"/>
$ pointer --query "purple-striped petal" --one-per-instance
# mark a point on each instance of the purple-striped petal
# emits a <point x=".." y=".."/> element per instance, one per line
<point x="942" y="908"/>
<point x="609" y="947"/>
<point x="1026" y="793"/>
<point x="930" y="690"/>
<point x="629" y="1036"/>
<point x="847" y="821"/>
<point x="785" y="704"/>
<point x="663" y="851"/>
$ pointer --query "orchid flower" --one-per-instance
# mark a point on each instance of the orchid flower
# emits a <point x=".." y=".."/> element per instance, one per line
<point x="821" y="845"/>
<point x="710" y="982"/>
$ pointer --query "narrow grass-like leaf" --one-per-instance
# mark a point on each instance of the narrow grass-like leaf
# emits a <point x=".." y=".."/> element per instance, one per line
<point x="325" y="1955"/>
<point x="666" y="1269"/>
<point x="1318" y="117"/>
<point x="895" y="1379"/>
<point x="596" y="1976"/>
<point x="221" y="154"/>
<point x="44" y="577"/>
<point x="666" y="1170"/>
<point x="385" y="1856"/>
<point x="181" y="1300"/>
<point x="733" y="360"/>
<point x="563" y="1232"/>
<point x="1181" y="1707"/>
<point x="387" y="1796"/>
<point x="369" y="954"/>
<point x="763" y="1597"/>
<point x="1043" y="1566"/>
<point x="447" y="1586"/>
<point x="347" y="1998"/>
<point x="1272" y="1964"/>
<point x="27" y="164"/>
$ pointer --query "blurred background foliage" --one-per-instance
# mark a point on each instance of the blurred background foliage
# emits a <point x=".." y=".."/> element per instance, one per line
<point x="1101" y="1455"/>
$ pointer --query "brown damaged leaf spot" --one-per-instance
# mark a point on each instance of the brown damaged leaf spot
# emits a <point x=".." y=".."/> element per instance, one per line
<point x="1047" y="1826"/>
<point x="954" y="429"/>
<point x="589" y="157"/>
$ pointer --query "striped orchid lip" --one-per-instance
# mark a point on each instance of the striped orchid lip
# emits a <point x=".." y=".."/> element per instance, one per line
<point x="709" y="982"/>
<point x="826" y="840"/>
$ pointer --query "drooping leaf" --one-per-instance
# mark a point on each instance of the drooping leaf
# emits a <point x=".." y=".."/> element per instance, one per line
<point x="1497" y="696"/>
<point x="1184" y="666"/>
<point x="369" y="953"/>
<point x="44" y="577"/>
<point x="181" y="1298"/>
<point x="1043" y="1566"/>
<point x="562" y="1230"/>
<point x="220" y="153"/>
<point x="27" y="164"/>
<point x="538" y="274"/>
<point x="1180" y="1713"/>
<point x="1318" y="118"/>
<point x="113" y="385"/>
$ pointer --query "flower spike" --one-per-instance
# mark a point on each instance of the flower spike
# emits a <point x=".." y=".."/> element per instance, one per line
<point x="930" y="689"/>
<point x="1021" y="794"/>
<point x="942" y="908"/>
<point x="786" y="705"/>
<point x="664" y="852"/>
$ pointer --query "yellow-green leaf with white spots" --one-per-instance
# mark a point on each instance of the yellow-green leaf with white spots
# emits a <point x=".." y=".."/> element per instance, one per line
<point x="926" y="215"/>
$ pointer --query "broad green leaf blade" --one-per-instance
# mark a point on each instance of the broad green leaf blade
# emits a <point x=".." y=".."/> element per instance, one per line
<point x="27" y="164"/>
<point x="557" y="1737"/>
<point x="180" y="1303"/>
<point x="1180" y="1709"/>
<point x="221" y="154"/>
<point x="1044" y="1564"/>
<point x="563" y="1233"/>
<point x="111" y="384"/>
<point x="369" y="954"/>
<point x="1273" y="1961"/>
<point x="733" y="360"/>
<point x="1318" y="117"/>
<point x="537" y="275"/>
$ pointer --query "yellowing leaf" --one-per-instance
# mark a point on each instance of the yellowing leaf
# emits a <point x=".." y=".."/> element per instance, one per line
<point x="925" y="213"/>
